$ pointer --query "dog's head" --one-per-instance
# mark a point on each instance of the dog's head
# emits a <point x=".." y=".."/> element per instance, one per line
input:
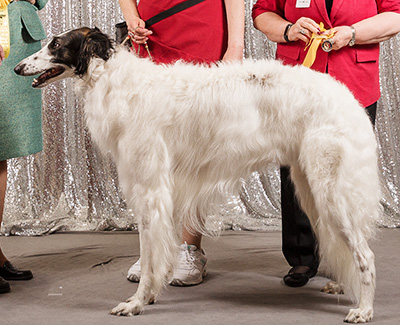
<point x="66" y="55"/>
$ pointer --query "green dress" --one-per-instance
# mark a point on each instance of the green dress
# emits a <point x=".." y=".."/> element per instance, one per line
<point x="20" y="104"/>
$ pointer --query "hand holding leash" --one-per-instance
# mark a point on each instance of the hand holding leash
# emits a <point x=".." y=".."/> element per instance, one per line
<point x="137" y="31"/>
<point x="139" y="34"/>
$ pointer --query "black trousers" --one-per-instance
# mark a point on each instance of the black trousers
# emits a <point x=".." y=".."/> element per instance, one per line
<point x="298" y="241"/>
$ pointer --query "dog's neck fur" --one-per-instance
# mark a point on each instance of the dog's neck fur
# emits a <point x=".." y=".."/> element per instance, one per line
<point x="94" y="71"/>
<point x="97" y="67"/>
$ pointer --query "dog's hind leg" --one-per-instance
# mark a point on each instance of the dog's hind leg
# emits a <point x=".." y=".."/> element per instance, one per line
<point x="352" y="263"/>
<point x="364" y="259"/>
<point x="348" y="258"/>
<point x="346" y="207"/>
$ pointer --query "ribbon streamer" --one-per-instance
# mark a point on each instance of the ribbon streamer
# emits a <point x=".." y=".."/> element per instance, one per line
<point x="4" y="27"/>
<point x="4" y="3"/>
<point x="314" y="43"/>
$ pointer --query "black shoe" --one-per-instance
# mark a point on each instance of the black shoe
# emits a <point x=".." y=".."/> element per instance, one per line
<point x="4" y="286"/>
<point x="298" y="276"/>
<point x="10" y="272"/>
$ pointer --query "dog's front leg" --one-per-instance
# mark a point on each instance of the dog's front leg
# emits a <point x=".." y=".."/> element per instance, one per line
<point x="145" y="293"/>
<point x="158" y="247"/>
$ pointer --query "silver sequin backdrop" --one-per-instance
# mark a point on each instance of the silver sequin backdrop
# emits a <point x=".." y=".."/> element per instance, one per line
<point x="70" y="186"/>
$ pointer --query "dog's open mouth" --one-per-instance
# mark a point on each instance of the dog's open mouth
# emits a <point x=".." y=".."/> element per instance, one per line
<point x="48" y="74"/>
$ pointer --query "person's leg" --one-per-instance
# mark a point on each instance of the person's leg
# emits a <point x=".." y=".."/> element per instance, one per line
<point x="191" y="238"/>
<point x="298" y="242"/>
<point x="4" y="285"/>
<point x="7" y="270"/>
<point x="3" y="185"/>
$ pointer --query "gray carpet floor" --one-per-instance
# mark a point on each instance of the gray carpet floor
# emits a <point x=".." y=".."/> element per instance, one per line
<point x="80" y="277"/>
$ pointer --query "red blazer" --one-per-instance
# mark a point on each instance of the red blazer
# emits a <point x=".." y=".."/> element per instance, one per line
<point x="197" y="34"/>
<point x="358" y="66"/>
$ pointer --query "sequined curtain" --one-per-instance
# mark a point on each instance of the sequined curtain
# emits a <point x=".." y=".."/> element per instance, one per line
<point x="71" y="186"/>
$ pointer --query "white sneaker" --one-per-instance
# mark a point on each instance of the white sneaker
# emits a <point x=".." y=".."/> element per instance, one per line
<point x="134" y="272"/>
<point x="191" y="266"/>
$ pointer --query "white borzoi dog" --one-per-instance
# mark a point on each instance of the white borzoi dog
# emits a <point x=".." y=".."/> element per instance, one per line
<point x="182" y="134"/>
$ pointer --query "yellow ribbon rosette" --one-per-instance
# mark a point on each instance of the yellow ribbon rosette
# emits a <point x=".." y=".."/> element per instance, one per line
<point x="314" y="43"/>
<point x="4" y="27"/>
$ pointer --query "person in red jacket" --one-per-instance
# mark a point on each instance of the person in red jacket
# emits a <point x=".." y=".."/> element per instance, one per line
<point x="354" y="60"/>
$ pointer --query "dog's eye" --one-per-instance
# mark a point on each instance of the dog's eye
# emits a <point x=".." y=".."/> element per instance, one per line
<point x="55" y="45"/>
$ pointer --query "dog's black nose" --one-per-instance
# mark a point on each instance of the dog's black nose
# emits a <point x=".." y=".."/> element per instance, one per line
<point x="18" y="68"/>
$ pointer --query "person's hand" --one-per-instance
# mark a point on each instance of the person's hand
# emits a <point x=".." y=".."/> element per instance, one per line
<point x="233" y="54"/>
<point x="137" y="30"/>
<point x="302" y="29"/>
<point x="2" y="56"/>
<point x="342" y="37"/>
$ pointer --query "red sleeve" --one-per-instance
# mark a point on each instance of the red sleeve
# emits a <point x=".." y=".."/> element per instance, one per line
<point x="388" y="5"/>
<point x="261" y="6"/>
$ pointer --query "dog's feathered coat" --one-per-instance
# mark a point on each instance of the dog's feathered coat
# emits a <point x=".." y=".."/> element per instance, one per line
<point x="181" y="134"/>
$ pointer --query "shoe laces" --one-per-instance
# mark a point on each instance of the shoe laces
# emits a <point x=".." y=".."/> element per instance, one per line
<point x="189" y="258"/>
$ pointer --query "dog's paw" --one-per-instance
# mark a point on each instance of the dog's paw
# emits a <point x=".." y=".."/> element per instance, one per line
<point x="127" y="309"/>
<point x="333" y="288"/>
<point x="359" y="316"/>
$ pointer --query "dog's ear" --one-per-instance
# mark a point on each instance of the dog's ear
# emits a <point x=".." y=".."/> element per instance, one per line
<point x="95" y="44"/>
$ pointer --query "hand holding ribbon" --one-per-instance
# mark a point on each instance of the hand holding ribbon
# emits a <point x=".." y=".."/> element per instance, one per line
<point x="314" y="43"/>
